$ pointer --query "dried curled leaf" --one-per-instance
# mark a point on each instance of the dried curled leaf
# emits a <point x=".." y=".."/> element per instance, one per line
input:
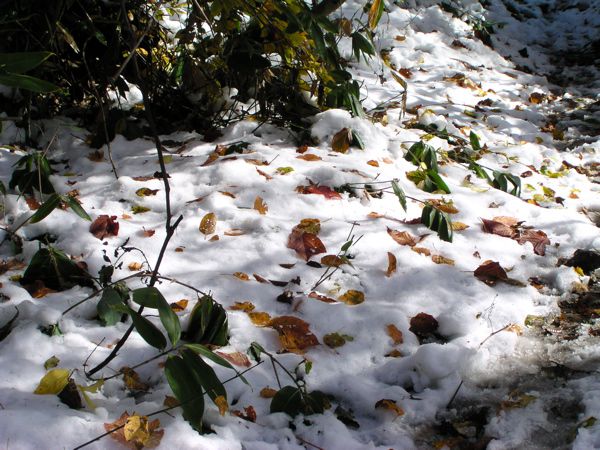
<point x="423" y="325"/>
<point x="341" y="140"/>
<point x="498" y="228"/>
<point x="260" y="206"/>
<point x="490" y="272"/>
<point x="402" y="237"/>
<point x="208" y="224"/>
<point x="104" y="226"/>
<point x="305" y="244"/>
<point x="235" y="358"/>
<point x="538" y="239"/>
<point x="294" y="334"/>
<point x="136" y="432"/>
<point x="392" y="265"/>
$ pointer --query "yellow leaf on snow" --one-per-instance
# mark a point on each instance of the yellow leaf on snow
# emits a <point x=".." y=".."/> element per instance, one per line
<point x="260" y="206"/>
<point x="260" y="319"/>
<point x="137" y="431"/>
<point x="132" y="380"/>
<point x="242" y="306"/>
<point x="241" y="276"/>
<point x="294" y="334"/>
<point x="208" y="224"/>
<point x="389" y="405"/>
<point x="53" y="382"/>
<point x="402" y="237"/>
<point x="352" y="297"/>
<point x="222" y="404"/>
<point x="439" y="259"/>
<point x="394" y="333"/>
<point x="268" y="392"/>
<point x="459" y="226"/>
<point x="180" y="305"/>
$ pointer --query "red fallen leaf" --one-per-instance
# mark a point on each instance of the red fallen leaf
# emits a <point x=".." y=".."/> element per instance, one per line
<point x="32" y="203"/>
<point x="305" y="244"/>
<point x="325" y="191"/>
<point x="294" y="333"/>
<point x="423" y="325"/>
<point x="498" y="228"/>
<point x="104" y="226"/>
<point x="321" y="298"/>
<point x="538" y="238"/>
<point x="248" y="414"/>
<point x="236" y="358"/>
<point x="490" y="272"/>
<point x="402" y="237"/>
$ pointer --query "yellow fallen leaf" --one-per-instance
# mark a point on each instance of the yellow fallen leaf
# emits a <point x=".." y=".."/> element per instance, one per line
<point x="53" y="382"/>
<point x="260" y="319"/>
<point x="439" y="259"/>
<point x="91" y="388"/>
<point x="241" y="276"/>
<point x="389" y="405"/>
<point x="242" y="306"/>
<point x="135" y="266"/>
<point x="268" y="392"/>
<point x="395" y="334"/>
<point x="132" y="380"/>
<point x="260" y="206"/>
<point x="459" y="226"/>
<point x="179" y="305"/>
<point x="208" y="224"/>
<point x="352" y="297"/>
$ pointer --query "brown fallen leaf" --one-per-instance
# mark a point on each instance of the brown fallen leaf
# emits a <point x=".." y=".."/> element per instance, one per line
<point x="264" y="174"/>
<point x="260" y="319"/>
<point x="235" y="358"/>
<point x="490" y="272"/>
<point x="135" y="266"/>
<point x="439" y="259"/>
<point x="459" y="226"/>
<point x="104" y="226"/>
<point x="321" y="298"/>
<point x="373" y="163"/>
<point x="402" y="237"/>
<point x="148" y="233"/>
<point x="32" y="203"/>
<point x="325" y="191"/>
<point x="145" y="192"/>
<point x="392" y="265"/>
<point x="260" y="206"/>
<point x="423" y="325"/>
<point x="389" y="405"/>
<point x="333" y="261"/>
<point x="208" y="224"/>
<point x="242" y="306"/>
<point x="170" y="402"/>
<point x="394" y="333"/>
<point x="498" y="228"/>
<point x="538" y="239"/>
<point x="227" y="194"/>
<point x="421" y="250"/>
<point x="394" y="353"/>
<point x="241" y="276"/>
<point x="260" y="279"/>
<point x="341" y="140"/>
<point x="443" y="205"/>
<point x="294" y="334"/>
<point x="268" y="392"/>
<point x="305" y="244"/>
<point x="309" y="157"/>
<point x="96" y="156"/>
<point x="249" y="414"/>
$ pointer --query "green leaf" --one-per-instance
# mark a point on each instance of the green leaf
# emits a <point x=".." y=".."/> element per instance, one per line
<point x="47" y="207"/>
<point x="76" y="207"/>
<point x="357" y="139"/>
<point x="27" y="82"/>
<point x="288" y="400"/>
<point x="507" y="182"/>
<point x="360" y="44"/>
<point x="400" y="194"/>
<point x="207" y="353"/>
<point x="149" y="332"/>
<point x="110" y="307"/>
<point x="438" y="181"/>
<point x="56" y="270"/>
<point x="186" y="389"/>
<point x="475" y="145"/>
<point x="151" y="297"/>
<point x="208" y="323"/>
<point x="255" y="350"/>
<point x="2" y="187"/>
<point x="479" y="171"/>
<point x="422" y="153"/>
<point x="205" y="375"/>
<point x="7" y="327"/>
<point x="437" y="221"/>
<point x="22" y="62"/>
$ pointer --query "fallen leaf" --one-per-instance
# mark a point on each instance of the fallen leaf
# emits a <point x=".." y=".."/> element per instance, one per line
<point x="375" y="215"/>
<point x="389" y="405"/>
<point x="42" y="291"/>
<point x="260" y="319"/>
<point x="506" y="220"/>
<point x="423" y="325"/>
<point x="266" y="175"/>
<point x="305" y="244"/>
<point x="53" y="382"/>
<point x="333" y="261"/>
<point x="302" y="149"/>
<point x="514" y="328"/>
<point x="341" y="140"/>
<point x="260" y="279"/>
<point x="143" y="178"/>
<point x="179" y="305"/>
<point x="321" y="298"/>
<point x="249" y="414"/>
<point x="242" y="306"/>
<point x="443" y="205"/>
<point x="352" y="297"/>
<point x="96" y="156"/>
<point x="208" y="224"/>
<point x="517" y="401"/>
<point x="537" y="97"/>
<point x="145" y="192"/>
<point x="104" y="226"/>
<point x="309" y="157"/>
<point x="309" y="226"/>
<point x="256" y="162"/>
<point x="392" y="265"/>
<point x="260" y="206"/>
<point x="421" y="250"/>
<point x="136" y="432"/>
<point x="51" y="362"/>
<point x="402" y="237"/>
<point x="538" y="239"/>
<point x="395" y="353"/>
<point x="227" y="194"/>
<point x="459" y="226"/>
<point x="334" y="340"/>
<point x="394" y="333"/>
<point x="241" y="276"/>
<point x="325" y="191"/>
<point x="490" y="272"/>
<point x="294" y="334"/>
<point x="135" y="266"/>
<point x="139" y="209"/>
<point x="439" y="259"/>
<point x="498" y="228"/>
<point x="234" y="232"/>
<point x="132" y="380"/>
<point x="236" y="358"/>
<point x="373" y="163"/>
<point x="32" y="203"/>
<point x="268" y="392"/>
<point x="148" y="233"/>
<point x="222" y="404"/>
<point x="170" y="402"/>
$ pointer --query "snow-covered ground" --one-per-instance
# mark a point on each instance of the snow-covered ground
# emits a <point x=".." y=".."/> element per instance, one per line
<point x="521" y="382"/>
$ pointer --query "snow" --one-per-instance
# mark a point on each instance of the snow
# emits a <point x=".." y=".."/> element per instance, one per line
<point x="358" y="374"/>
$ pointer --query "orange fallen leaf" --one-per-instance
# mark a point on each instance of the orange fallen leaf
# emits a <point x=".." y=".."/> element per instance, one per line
<point x="260" y="319"/>
<point x="309" y="157"/>
<point x="421" y="250"/>
<point x="222" y="404"/>
<point x="208" y="224"/>
<point x="242" y="306"/>
<point x="179" y="305"/>
<point x="135" y="266"/>
<point x="394" y="333"/>
<point x="249" y="414"/>
<point x="352" y="297"/>
<point x="373" y="163"/>
<point x="305" y="244"/>
<point x="402" y="237"/>
<point x="268" y="392"/>
<point x="321" y="298"/>
<point x="241" y="276"/>
<point x="392" y="265"/>
<point x="260" y="206"/>
<point x="389" y="405"/>
<point x="294" y="334"/>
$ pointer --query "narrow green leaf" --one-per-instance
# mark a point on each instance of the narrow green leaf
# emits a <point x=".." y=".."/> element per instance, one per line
<point x="22" y="61"/>
<point x="400" y="194"/>
<point x="186" y="389"/>
<point x="205" y="375"/>
<point x="475" y="144"/>
<point x="7" y="327"/>
<point x="171" y="322"/>
<point x="288" y="400"/>
<point x="438" y="181"/>
<point x="27" y="82"/>
<point x="149" y="332"/>
<point x="207" y="353"/>
<point x="150" y="297"/>
<point x="47" y="207"/>
<point x="76" y="207"/>
<point x="357" y="139"/>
